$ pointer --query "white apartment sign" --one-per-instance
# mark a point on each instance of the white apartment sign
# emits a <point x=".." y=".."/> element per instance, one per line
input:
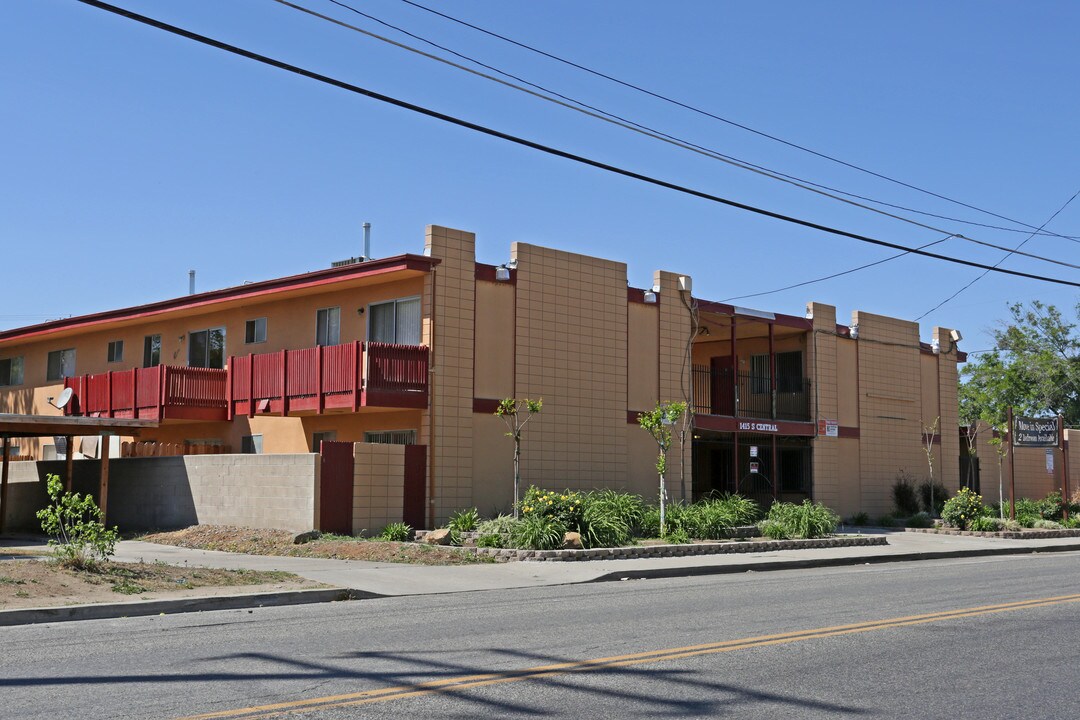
<point x="1035" y="432"/>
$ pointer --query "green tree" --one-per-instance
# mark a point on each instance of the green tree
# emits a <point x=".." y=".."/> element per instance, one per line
<point x="1035" y="367"/>
<point x="517" y="414"/>
<point x="658" y="423"/>
<point x="79" y="538"/>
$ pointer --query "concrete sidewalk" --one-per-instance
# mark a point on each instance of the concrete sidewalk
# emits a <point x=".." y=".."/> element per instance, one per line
<point x="367" y="579"/>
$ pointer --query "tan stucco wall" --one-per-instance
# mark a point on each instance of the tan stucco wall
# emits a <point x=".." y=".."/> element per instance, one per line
<point x="494" y="371"/>
<point x="643" y="353"/>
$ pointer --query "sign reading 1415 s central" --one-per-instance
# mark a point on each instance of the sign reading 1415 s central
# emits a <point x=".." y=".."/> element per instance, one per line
<point x="1035" y="432"/>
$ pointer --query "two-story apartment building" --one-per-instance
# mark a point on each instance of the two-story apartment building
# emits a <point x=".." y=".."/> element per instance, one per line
<point x="420" y="348"/>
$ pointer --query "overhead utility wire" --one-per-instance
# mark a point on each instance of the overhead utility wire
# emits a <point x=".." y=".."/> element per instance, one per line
<point x="544" y="148"/>
<point x="834" y="275"/>
<point x="622" y="122"/>
<point x="981" y="276"/>
<point x="733" y="123"/>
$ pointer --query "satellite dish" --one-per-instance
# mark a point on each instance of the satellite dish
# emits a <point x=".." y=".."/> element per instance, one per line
<point x="65" y="398"/>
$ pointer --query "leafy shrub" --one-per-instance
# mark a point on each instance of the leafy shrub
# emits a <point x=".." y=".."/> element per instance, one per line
<point x="464" y="520"/>
<point x="920" y="520"/>
<point x="1027" y="512"/>
<point x="396" y="532"/>
<point x="710" y="518"/>
<point x="859" y="519"/>
<point x="79" y="538"/>
<point x="491" y="540"/>
<point x="886" y="521"/>
<point x="806" y="520"/>
<point x="677" y="537"/>
<point x="1073" y="522"/>
<point x="987" y="523"/>
<point x="537" y="532"/>
<point x="905" y="496"/>
<point x="940" y="496"/>
<point x="1047" y="525"/>
<point x="567" y="507"/>
<point x="962" y="508"/>
<point x="500" y="525"/>
<point x="649" y="525"/>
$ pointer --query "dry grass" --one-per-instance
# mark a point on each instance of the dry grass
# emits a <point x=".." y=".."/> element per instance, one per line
<point x="41" y="583"/>
<point x="280" y="542"/>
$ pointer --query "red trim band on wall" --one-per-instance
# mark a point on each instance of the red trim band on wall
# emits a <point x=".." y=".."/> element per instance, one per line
<point x="753" y="425"/>
<point x="486" y="273"/>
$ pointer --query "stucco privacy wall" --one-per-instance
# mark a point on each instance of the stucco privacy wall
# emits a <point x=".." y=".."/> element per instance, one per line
<point x="260" y="491"/>
<point x="378" y="486"/>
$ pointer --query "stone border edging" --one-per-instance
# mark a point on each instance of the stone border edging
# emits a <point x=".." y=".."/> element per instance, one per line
<point x="1030" y="534"/>
<point x="105" y="611"/>
<point x="641" y="552"/>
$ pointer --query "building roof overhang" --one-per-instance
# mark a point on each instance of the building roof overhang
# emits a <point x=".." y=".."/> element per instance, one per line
<point x="357" y="274"/>
<point x="13" y="425"/>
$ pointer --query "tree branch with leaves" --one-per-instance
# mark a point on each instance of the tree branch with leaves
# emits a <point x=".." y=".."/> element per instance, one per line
<point x="517" y="414"/>
<point x="658" y="422"/>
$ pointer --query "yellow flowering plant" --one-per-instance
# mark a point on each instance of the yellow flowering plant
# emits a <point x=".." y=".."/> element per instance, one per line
<point x="962" y="509"/>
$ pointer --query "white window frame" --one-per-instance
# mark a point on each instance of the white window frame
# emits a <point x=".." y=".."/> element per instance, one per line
<point x="148" y="361"/>
<point x="254" y="323"/>
<point x="254" y="441"/>
<point x="16" y="371"/>
<point x="394" y="303"/>
<point x="224" y="346"/>
<point x="325" y="342"/>
<point x="64" y="370"/>
<point x="115" y="353"/>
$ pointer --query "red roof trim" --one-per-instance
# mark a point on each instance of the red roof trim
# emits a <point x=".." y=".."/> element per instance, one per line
<point x="486" y="273"/>
<point x="256" y="289"/>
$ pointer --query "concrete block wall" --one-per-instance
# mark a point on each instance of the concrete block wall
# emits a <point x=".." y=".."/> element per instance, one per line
<point x="571" y="339"/>
<point x="822" y="365"/>
<point x="676" y="327"/>
<point x="259" y="491"/>
<point x="450" y="332"/>
<point x="378" y="487"/>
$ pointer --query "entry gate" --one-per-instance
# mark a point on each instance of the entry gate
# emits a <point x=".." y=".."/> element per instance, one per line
<point x="336" y="487"/>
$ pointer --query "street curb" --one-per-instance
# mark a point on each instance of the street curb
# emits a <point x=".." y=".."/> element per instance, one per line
<point x="766" y="566"/>
<point x="67" y="613"/>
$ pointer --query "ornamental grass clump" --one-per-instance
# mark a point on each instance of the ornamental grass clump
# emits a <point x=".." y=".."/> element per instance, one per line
<point x="396" y="532"/>
<point x="609" y="518"/>
<point x="960" y="510"/>
<point x="537" y="532"/>
<point x="806" y="520"/>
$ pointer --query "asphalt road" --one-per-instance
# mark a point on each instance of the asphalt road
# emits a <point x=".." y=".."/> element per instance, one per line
<point x="978" y="638"/>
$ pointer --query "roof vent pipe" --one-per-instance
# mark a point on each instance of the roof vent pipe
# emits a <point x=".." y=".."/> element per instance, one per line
<point x="367" y="242"/>
<point x="191" y="282"/>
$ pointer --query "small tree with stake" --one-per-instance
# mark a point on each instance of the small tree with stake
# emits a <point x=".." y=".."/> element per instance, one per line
<point x="658" y="423"/>
<point x="517" y="414"/>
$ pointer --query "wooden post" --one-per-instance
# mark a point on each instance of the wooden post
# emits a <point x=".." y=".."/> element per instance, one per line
<point x="775" y="470"/>
<point x="1012" y="467"/>
<point x="251" y="385"/>
<point x="319" y="378"/>
<point x="103" y="481"/>
<point x="284" y="383"/>
<point x="355" y="373"/>
<point x="4" y="486"/>
<point x="229" y="370"/>
<point x="1064" y="468"/>
<point x="134" y="393"/>
<point x="69" y="463"/>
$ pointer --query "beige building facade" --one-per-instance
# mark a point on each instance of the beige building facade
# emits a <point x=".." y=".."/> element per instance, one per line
<point x="420" y="349"/>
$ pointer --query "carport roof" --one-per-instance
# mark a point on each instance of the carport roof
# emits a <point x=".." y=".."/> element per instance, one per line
<point x="13" y="425"/>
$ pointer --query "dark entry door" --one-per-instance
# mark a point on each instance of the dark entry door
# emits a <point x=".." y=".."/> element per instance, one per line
<point x="722" y="390"/>
<point x="336" y="487"/>
<point x="413" y="512"/>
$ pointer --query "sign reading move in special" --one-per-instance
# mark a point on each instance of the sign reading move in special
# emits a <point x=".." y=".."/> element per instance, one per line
<point x="1035" y="432"/>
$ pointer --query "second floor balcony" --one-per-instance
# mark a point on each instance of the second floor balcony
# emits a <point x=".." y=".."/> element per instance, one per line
<point x="724" y="392"/>
<point x="338" y="377"/>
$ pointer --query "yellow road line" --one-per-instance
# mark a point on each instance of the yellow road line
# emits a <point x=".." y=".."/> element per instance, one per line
<point x="466" y="682"/>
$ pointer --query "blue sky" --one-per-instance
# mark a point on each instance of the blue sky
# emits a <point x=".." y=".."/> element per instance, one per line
<point x="131" y="156"/>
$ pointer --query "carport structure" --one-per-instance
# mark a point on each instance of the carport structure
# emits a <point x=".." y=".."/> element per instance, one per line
<point x="22" y="426"/>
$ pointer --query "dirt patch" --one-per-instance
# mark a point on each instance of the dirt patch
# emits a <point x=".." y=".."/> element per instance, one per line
<point x="40" y="583"/>
<point x="280" y="542"/>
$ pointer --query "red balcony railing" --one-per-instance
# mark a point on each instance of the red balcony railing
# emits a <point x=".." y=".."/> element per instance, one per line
<point x="348" y="376"/>
<point x="158" y="393"/>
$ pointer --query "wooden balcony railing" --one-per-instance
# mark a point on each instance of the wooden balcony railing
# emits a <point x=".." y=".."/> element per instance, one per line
<point x="315" y="379"/>
<point x="157" y="393"/>
<point x="348" y="376"/>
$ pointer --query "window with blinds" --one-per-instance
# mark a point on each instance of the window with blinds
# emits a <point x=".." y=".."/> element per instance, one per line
<point x="396" y="321"/>
<point x="391" y="437"/>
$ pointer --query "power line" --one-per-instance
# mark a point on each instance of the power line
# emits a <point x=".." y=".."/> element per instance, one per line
<point x="834" y="275"/>
<point x="625" y="123"/>
<point x="1007" y="256"/>
<point x="544" y="148"/>
<point x="727" y="121"/>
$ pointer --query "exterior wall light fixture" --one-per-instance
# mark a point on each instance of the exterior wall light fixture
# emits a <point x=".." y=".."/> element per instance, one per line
<point x="502" y="274"/>
<point x="854" y="332"/>
<point x="650" y="297"/>
<point x="935" y="346"/>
